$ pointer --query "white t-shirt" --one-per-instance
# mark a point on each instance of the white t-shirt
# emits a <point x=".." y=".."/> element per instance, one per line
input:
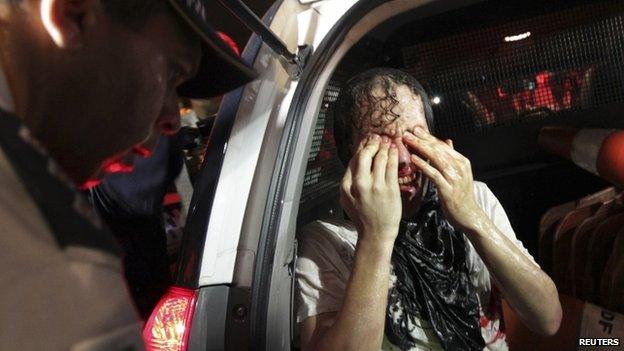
<point x="326" y="250"/>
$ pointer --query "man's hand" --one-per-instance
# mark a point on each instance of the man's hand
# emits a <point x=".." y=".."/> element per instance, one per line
<point x="371" y="197"/>
<point x="529" y="291"/>
<point x="451" y="172"/>
<point x="370" y="190"/>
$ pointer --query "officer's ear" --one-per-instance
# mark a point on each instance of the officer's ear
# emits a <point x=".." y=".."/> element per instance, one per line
<point x="66" y="21"/>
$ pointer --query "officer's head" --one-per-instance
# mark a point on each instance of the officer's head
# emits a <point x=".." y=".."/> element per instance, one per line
<point x="96" y="79"/>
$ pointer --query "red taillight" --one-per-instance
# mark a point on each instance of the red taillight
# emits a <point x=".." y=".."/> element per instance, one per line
<point x="169" y="326"/>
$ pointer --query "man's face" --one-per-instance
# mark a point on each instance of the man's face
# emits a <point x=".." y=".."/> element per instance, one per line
<point x="130" y="91"/>
<point x="410" y="111"/>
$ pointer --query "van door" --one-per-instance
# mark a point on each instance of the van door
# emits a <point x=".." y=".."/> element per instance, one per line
<point x="220" y="248"/>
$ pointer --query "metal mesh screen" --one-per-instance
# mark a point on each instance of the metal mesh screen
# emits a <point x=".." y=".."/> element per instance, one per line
<point x="319" y="195"/>
<point x="324" y="170"/>
<point x="525" y="70"/>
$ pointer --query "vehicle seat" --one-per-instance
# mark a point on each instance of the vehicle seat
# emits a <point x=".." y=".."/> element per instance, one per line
<point x="579" y="246"/>
<point x="562" y="242"/>
<point x="612" y="286"/>
<point x="601" y="242"/>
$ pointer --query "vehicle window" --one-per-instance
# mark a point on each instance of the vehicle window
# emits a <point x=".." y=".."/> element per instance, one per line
<point x="323" y="171"/>
<point x="197" y="117"/>
<point x="319" y="196"/>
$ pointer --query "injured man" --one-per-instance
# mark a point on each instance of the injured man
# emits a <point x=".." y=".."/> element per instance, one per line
<point x="426" y="253"/>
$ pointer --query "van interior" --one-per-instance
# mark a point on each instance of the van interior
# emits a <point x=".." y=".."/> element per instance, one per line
<point x="497" y="73"/>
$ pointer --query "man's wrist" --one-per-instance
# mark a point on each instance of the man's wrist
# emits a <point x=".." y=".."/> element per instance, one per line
<point x="375" y="243"/>
<point x="479" y="226"/>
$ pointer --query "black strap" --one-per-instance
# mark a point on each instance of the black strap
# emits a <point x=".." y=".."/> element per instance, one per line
<point x="65" y="210"/>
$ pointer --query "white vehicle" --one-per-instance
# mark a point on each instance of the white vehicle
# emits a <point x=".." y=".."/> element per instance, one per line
<point x="496" y="71"/>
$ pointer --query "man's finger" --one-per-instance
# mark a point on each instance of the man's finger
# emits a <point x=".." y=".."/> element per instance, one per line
<point x="347" y="178"/>
<point x="430" y="172"/>
<point x="380" y="162"/>
<point x="392" y="167"/>
<point x="443" y="146"/>
<point x="361" y="145"/>
<point x="456" y="155"/>
<point x="365" y="157"/>
<point x="426" y="138"/>
<point x="440" y="159"/>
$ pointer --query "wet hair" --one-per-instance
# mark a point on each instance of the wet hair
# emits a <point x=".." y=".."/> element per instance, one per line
<point x="356" y="103"/>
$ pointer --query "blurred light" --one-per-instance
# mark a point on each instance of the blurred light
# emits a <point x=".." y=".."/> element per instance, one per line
<point x="118" y="167"/>
<point x="501" y="92"/>
<point x="47" y="18"/>
<point x="436" y="100"/>
<point x="518" y="37"/>
<point x="185" y="111"/>
<point x="141" y="151"/>
<point x="230" y="42"/>
<point x="91" y="183"/>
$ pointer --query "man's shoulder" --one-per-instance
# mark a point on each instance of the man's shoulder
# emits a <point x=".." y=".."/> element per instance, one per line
<point x="481" y="189"/>
<point x="328" y="236"/>
<point x="17" y="209"/>
<point x="34" y="263"/>
<point x="484" y="196"/>
<point x="329" y="229"/>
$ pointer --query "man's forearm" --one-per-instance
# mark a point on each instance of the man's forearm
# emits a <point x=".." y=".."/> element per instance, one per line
<point x="360" y="323"/>
<point x="530" y="292"/>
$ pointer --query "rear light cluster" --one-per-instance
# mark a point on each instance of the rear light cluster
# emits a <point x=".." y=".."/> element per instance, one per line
<point x="169" y="326"/>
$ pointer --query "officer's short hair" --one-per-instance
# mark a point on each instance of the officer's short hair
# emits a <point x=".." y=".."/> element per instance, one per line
<point x="133" y="13"/>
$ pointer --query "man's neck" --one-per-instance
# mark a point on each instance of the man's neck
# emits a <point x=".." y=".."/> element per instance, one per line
<point x="6" y="98"/>
<point x="410" y="210"/>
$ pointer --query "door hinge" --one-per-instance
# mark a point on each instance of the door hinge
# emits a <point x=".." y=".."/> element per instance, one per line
<point x="295" y="62"/>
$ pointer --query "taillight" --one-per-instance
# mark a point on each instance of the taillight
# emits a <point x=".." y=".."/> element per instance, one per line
<point x="169" y="326"/>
